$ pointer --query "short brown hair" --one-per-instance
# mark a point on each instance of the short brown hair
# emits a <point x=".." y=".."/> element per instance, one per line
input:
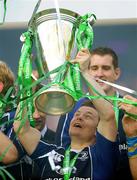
<point x="88" y="103"/>
<point x="106" y="51"/>
<point x="6" y="77"/>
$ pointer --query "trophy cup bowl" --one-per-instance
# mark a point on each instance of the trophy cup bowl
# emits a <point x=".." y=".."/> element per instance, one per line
<point x="54" y="39"/>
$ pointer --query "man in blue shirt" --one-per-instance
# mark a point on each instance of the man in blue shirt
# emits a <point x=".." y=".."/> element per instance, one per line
<point x="103" y="64"/>
<point x="92" y="152"/>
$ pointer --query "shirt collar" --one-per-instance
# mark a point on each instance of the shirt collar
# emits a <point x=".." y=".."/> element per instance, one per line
<point x="44" y="130"/>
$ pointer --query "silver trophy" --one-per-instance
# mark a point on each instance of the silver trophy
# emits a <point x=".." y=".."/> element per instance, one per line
<point x="56" y="44"/>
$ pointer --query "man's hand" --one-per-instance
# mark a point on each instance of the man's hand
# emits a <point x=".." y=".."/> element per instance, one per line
<point x="83" y="58"/>
<point x="129" y="123"/>
<point x="19" y="128"/>
<point x="129" y="108"/>
<point x="28" y="136"/>
<point x="130" y="126"/>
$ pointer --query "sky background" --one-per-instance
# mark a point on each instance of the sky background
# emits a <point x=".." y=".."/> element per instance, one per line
<point x="21" y="10"/>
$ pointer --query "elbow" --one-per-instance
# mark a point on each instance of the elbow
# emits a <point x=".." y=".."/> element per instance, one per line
<point x="109" y="115"/>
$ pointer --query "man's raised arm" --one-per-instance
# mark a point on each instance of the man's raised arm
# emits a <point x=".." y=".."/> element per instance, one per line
<point x="28" y="136"/>
<point x="107" y="124"/>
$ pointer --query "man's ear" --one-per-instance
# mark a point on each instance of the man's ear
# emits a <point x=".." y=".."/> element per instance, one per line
<point x="1" y="86"/>
<point x="117" y="73"/>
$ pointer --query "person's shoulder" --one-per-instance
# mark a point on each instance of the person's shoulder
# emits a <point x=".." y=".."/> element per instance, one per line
<point x="7" y="120"/>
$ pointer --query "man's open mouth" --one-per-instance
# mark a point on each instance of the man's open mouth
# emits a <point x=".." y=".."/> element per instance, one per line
<point x="77" y="125"/>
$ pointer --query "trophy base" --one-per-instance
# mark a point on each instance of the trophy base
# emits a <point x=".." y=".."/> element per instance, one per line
<point x="54" y="101"/>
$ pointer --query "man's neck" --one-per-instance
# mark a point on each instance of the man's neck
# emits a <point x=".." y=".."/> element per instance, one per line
<point x="111" y="93"/>
<point x="78" y="144"/>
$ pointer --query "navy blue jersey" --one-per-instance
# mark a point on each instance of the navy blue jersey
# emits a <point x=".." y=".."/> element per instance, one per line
<point x="97" y="162"/>
<point x="6" y="122"/>
<point x="63" y="139"/>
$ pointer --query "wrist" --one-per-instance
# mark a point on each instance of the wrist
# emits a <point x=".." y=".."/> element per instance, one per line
<point x="22" y="130"/>
<point x="132" y="147"/>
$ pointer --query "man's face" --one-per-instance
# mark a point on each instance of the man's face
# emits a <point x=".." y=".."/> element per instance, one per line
<point x="102" y="67"/>
<point x="40" y="119"/>
<point x="84" y="123"/>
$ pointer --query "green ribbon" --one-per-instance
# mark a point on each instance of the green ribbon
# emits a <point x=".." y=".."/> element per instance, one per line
<point x="134" y="116"/>
<point x="4" y="14"/>
<point x="85" y="34"/>
<point x="24" y="75"/>
<point x="68" y="164"/>
<point x="116" y="110"/>
<point x="3" y="171"/>
<point x="77" y="78"/>
<point x="6" y="102"/>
